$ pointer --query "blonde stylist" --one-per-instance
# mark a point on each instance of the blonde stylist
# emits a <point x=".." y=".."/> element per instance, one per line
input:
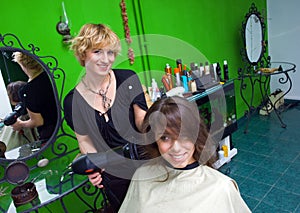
<point x="106" y="106"/>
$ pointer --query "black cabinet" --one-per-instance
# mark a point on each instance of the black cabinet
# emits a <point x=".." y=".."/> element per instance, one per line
<point x="218" y="108"/>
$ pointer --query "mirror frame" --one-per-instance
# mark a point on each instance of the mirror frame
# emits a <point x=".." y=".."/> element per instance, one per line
<point x="254" y="11"/>
<point x="10" y="42"/>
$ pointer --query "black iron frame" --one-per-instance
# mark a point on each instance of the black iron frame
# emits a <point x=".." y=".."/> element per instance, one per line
<point x="250" y="76"/>
<point x="58" y="143"/>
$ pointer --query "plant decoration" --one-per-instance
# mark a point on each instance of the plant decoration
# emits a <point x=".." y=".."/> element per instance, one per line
<point x="127" y="31"/>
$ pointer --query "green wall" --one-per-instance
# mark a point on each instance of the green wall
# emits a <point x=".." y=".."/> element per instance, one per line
<point x="200" y="30"/>
<point x="193" y="30"/>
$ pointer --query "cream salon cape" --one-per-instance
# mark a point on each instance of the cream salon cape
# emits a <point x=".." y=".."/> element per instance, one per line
<point x="200" y="189"/>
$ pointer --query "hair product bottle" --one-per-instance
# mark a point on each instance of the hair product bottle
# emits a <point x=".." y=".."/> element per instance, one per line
<point x="154" y="90"/>
<point x="179" y="66"/>
<point x="168" y="71"/>
<point x="201" y="69"/>
<point x="177" y="75"/>
<point x="185" y="83"/>
<point x="206" y="68"/>
<point x="218" y="71"/>
<point x="193" y="86"/>
<point x="225" y="66"/>
<point x="214" y="67"/>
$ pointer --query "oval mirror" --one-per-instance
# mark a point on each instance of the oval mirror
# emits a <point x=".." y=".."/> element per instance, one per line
<point x="30" y="109"/>
<point x="254" y="38"/>
<point x="253" y="34"/>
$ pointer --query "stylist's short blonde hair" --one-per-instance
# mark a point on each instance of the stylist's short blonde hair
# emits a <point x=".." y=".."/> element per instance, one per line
<point x="27" y="62"/>
<point x="94" y="36"/>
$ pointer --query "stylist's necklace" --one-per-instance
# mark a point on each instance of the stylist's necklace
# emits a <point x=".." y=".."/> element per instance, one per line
<point x="105" y="100"/>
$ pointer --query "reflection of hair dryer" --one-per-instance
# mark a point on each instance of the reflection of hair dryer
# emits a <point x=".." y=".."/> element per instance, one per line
<point x="11" y="118"/>
<point x="94" y="162"/>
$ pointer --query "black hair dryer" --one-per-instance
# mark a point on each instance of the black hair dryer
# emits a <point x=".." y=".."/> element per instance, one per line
<point x="94" y="162"/>
<point x="11" y="118"/>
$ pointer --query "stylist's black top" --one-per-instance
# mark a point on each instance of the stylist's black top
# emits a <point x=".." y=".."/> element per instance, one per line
<point x="38" y="97"/>
<point x="120" y="128"/>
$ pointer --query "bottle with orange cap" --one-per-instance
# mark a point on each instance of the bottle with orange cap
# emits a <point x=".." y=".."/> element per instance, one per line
<point x="177" y="76"/>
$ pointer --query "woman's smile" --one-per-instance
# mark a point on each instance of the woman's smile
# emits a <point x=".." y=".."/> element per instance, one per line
<point x="99" y="61"/>
<point x="179" y="152"/>
<point x="177" y="157"/>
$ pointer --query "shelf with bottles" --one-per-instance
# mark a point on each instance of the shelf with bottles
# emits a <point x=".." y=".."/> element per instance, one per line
<point x="184" y="81"/>
<point x="218" y="109"/>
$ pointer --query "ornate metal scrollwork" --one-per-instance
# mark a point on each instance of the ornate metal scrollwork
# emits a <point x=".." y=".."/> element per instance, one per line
<point x="11" y="40"/>
<point x="253" y="34"/>
<point x="255" y="76"/>
<point x="63" y="143"/>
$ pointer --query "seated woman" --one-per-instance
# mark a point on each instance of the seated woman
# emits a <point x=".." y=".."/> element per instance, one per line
<point x="11" y="138"/>
<point x="179" y="177"/>
<point x="38" y="98"/>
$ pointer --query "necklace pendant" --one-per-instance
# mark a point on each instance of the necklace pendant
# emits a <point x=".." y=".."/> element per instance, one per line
<point x="106" y="102"/>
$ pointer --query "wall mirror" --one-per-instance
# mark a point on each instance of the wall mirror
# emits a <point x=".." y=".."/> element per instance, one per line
<point x="253" y="33"/>
<point x="253" y="38"/>
<point x="38" y="171"/>
<point x="25" y="144"/>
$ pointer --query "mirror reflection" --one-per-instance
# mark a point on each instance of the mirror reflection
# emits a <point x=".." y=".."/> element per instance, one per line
<point x="253" y="38"/>
<point x="29" y="112"/>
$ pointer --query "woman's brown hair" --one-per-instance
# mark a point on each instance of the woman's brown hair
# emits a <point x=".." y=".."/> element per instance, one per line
<point x="181" y="118"/>
<point x="13" y="90"/>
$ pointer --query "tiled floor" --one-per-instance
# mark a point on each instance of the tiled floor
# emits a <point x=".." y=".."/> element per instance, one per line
<point x="267" y="166"/>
